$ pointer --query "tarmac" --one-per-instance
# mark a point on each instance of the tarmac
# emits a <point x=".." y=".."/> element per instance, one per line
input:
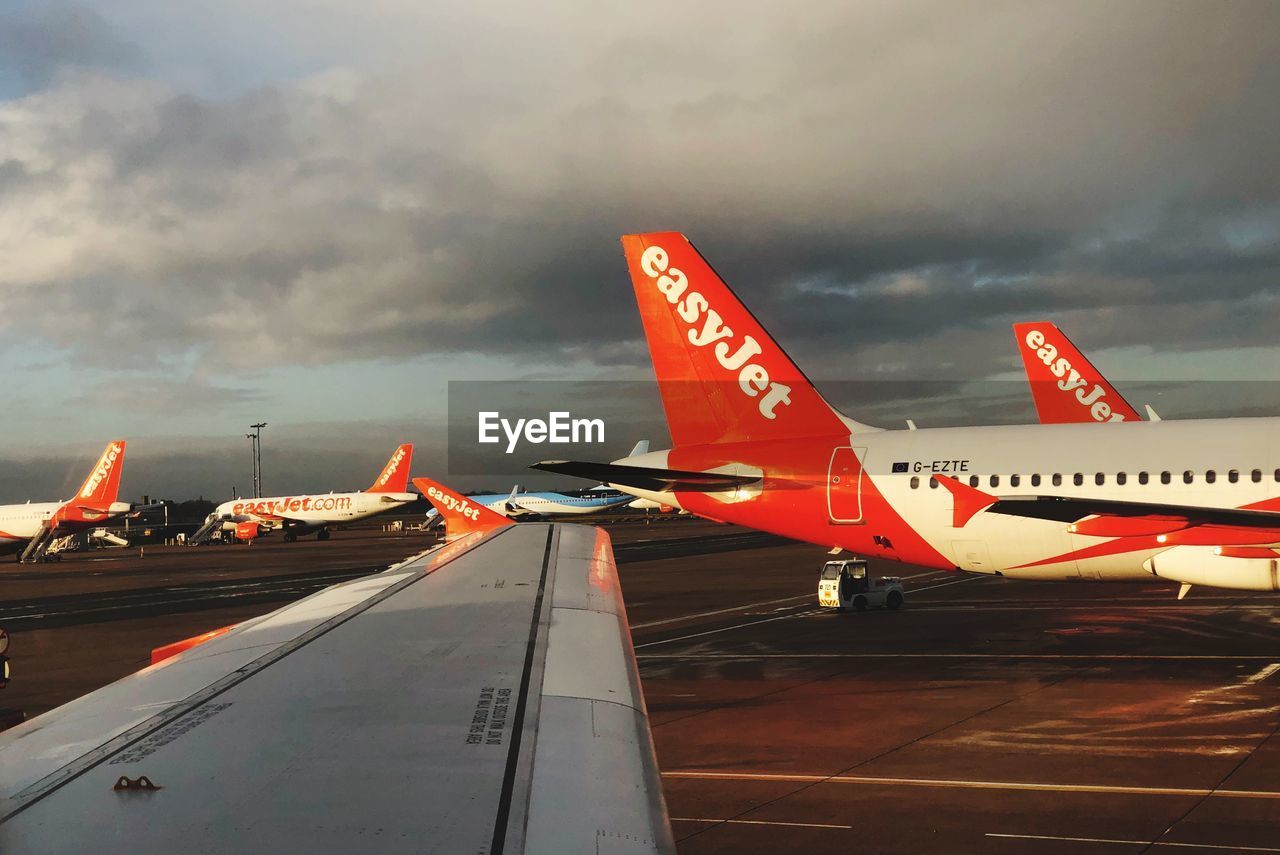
<point x="987" y="715"/>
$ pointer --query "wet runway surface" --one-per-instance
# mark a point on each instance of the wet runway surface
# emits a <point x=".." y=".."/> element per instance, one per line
<point x="985" y="716"/>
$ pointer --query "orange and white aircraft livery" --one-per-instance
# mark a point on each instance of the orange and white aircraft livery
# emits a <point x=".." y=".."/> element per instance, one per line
<point x="1194" y="502"/>
<point x="29" y="528"/>
<point x="304" y="514"/>
<point x="1066" y="387"/>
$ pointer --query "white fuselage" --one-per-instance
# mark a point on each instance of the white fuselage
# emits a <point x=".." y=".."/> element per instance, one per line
<point x="562" y="505"/>
<point x="1220" y="446"/>
<point x="20" y="523"/>
<point x="545" y="504"/>
<point x="1217" y="463"/>
<point x="310" y="511"/>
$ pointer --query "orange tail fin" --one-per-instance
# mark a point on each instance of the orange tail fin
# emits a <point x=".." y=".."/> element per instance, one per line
<point x="395" y="475"/>
<point x="103" y="484"/>
<point x="461" y="515"/>
<point x="722" y="376"/>
<point x="1065" y="386"/>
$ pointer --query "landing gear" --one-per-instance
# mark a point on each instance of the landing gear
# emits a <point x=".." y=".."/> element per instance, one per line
<point x="290" y="536"/>
<point x="322" y="534"/>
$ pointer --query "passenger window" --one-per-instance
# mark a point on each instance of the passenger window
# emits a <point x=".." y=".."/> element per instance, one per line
<point x="933" y="483"/>
<point x="1188" y="476"/>
<point x="915" y="482"/>
<point x="1015" y="480"/>
<point x="1077" y="479"/>
<point x="1142" y="477"/>
<point x="1233" y="475"/>
<point x="1100" y="479"/>
<point x="1278" y="474"/>
<point x="1121" y="478"/>
<point x="1057" y="479"/>
<point x="1257" y="476"/>
<point x="1210" y="476"/>
<point x="995" y="480"/>
<point x="973" y="480"/>
<point x="1035" y="480"/>
<point x="1165" y="477"/>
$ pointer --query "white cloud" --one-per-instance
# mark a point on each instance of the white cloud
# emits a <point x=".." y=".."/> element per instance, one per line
<point x="400" y="179"/>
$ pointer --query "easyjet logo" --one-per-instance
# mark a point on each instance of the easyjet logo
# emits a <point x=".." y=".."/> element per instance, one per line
<point x="707" y="327"/>
<point x="285" y="505"/>
<point x="457" y="506"/>
<point x="1070" y="380"/>
<point x="392" y="466"/>
<point x="100" y="472"/>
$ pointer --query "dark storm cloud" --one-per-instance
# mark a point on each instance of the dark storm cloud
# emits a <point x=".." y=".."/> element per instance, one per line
<point x="888" y="185"/>
<point x="37" y="45"/>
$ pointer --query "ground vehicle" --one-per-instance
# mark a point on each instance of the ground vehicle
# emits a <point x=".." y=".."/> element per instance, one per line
<point x="845" y="584"/>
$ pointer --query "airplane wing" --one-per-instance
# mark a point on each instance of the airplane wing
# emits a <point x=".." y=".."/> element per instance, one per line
<point x="1065" y="385"/>
<point x="1115" y="518"/>
<point x="516" y="511"/>
<point x="482" y="697"/>
<point x="645" y="478"/>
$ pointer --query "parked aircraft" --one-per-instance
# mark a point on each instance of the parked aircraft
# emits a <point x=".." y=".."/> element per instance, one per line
<point x="542" y="505"/>
<point x="1194" y="502"/>
<point x="531" y="506"/>
<point x="304" y="514"/>
<point x="29" y="528"/>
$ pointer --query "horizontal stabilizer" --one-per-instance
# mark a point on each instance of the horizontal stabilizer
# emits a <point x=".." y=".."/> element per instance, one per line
<point x="645" y="478"/>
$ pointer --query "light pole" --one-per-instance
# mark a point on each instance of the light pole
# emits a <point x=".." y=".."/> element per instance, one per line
<point x="256" y="447"/>
<point x="253" y="460"/>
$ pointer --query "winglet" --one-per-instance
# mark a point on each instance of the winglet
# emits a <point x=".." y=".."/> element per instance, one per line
<point x="1065" y="385"/>
<point x="102" y="486"/>
<point x="395" y="475"/>
<point x="968" y="500"/>
<point x="461" y="515"/>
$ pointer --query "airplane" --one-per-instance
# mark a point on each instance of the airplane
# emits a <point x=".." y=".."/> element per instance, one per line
<point x="541" y="505"/>
<point x="300" y="515"/>
<point x="1065" y="385"/>
<point x="480" y="697"/>
<point x="29" y="528"/>
<point x="531" y="506"/>
<point x="1194" y="502"/>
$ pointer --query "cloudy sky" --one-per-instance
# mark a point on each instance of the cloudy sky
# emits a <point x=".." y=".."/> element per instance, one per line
<point x="316" y="214"/>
